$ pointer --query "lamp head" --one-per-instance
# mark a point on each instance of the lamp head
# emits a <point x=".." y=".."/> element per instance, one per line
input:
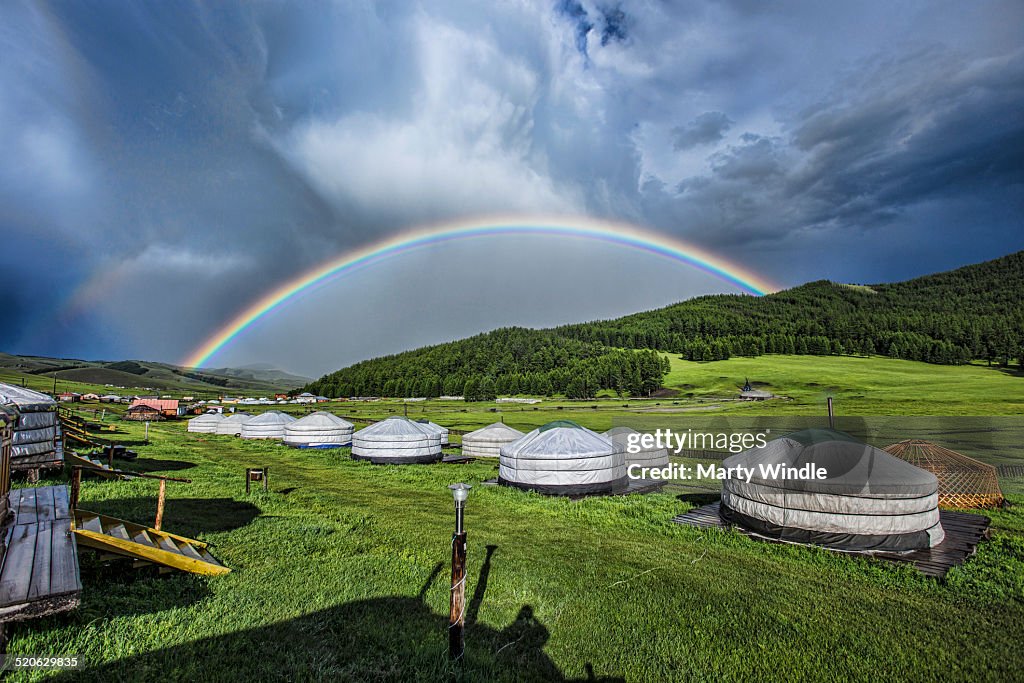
<point x="460" y="492"/>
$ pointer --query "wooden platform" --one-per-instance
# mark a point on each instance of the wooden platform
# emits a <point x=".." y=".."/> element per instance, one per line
<point x="963" y="533"/>
<point x="39" y="575"/>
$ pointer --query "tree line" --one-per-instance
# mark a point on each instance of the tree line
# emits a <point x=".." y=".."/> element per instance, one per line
<point x="948" y="318"/>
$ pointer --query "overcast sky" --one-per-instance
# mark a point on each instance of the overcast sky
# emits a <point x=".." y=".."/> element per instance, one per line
<point x="166" y="163"/>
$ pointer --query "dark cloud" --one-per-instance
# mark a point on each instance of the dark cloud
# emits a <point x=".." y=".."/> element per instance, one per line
<point x="707" y="128"/>
<point x="214" y="151"/>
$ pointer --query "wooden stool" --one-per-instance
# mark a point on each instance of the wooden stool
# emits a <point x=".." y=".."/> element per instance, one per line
<point x="257" y="474"/>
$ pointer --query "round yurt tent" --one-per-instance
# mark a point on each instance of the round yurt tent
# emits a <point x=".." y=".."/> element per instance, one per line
<point x="644" y="457"/>
<point x="443" y="431"/>
<point x="318" y="430"/>
<point x="563" y="458"/>
<point x="232" y="424"/>
<point x="205" y="423"/>
<point x="867" y="500"/>
<point x="397" y="440"/>
<point x="486" y="442"/>
<point x="35" y="432"/>
<point x="963" y="482"/>
<point x="269" y="425"/>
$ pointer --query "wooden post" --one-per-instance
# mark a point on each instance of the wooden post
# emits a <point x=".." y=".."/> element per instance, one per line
<point x="831" y="415"/>
<point x="266" y="479"/>
<point x="160" y="505"/>
<point x="147" y="431"/>
<point x="248" y="480"/>
<point x="110" y="456"/>
<point x="76" y="486"/>
<point x="457" y="614"/>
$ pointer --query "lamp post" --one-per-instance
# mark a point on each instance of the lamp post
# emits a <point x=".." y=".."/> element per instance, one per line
<point x="457" y="615"/>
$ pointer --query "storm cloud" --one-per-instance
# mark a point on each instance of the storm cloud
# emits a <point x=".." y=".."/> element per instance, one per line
<point x="168" y="163"/>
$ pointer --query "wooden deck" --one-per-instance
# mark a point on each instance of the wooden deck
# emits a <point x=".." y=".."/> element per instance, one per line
<point x="39" y="575"/>
<point x="963" y="533"/>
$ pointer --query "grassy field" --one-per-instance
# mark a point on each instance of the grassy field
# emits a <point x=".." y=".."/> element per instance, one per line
<point x="340" y="574"/>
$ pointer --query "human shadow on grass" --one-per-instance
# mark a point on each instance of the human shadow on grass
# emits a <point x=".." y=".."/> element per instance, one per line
<point x="183" y="516"/>
<point x="390" y="638"/>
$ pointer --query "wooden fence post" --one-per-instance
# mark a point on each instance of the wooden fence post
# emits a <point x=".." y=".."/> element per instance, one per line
<point x="160" y="505"/>
<point x="76" y="487"/>
<point x="457" y="613"/>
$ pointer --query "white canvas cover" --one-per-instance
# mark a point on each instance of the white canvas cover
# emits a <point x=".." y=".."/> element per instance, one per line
<point x="653" y="457"/>
<point x="205" y="423"/>
<point x="397" y="440"/>
<point x="443" y="431"/>
<point x="869" y="500"/>
<point x="563" y="458"/>
<point x="269" y="425"/>
<point x="35" y="430"/>
<point x="318" y="430"/>
<point x="486" y="442"/>
<point x="232" y="424"/>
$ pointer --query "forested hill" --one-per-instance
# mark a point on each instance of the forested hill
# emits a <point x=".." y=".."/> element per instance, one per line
<point x="975" y="312"/>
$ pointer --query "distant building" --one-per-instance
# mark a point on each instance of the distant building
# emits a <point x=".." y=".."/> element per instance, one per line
<point x="68" y="397"/>
<point x="305" y="397"/>
<point x="141" y="412"/>
<point x="280" y="397"/>
<point x="167" y="407"/>
<point x="749" y="393"/>
<point x="90" y="397"/>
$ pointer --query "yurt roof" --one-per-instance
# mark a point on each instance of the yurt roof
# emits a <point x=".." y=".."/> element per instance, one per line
<point x="561" y="438"/>
<point x="853" y="467"/>
<point x="208" y="417"/>
<point x="271" y="417"/>
<point x="320" y="420"/>
<point x="495" y="431"/>
<point x="24" y="398"/>
<point x="433" y="425"/>
<point x="396" y="426"/>
<point x="238" y="417"/>
<point x="619" y="431"/>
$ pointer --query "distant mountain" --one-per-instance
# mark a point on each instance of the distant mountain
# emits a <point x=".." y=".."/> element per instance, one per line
<point x="970" y="313"/>
<point x="164" y="376"/>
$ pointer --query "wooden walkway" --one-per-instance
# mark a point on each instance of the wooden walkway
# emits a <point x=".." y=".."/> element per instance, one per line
<point x="963" y="533"/>
<point x="39" y="575"/>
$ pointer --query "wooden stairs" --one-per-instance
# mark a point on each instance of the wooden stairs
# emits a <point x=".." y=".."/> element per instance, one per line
<point x="144" y="544"/>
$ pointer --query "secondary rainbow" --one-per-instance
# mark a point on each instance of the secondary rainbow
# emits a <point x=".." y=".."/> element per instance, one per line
<point x="615" y="233"/>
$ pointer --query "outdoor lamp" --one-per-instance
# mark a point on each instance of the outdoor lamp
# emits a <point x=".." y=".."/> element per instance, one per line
<point x="460" y="492"/>
<point x="457" y="613"/>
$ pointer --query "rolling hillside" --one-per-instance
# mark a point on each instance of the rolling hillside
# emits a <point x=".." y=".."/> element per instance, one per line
<point x="149" y="375"/>
<point x="972" y="313"/>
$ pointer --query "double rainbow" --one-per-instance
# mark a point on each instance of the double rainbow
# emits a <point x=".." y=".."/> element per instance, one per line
<point x="621" y="234"/>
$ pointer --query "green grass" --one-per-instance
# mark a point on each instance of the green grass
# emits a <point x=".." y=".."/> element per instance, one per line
<point x="332" y="581"/>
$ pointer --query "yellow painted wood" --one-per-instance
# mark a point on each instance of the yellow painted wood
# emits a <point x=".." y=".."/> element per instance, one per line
<point x="156" y="555"/>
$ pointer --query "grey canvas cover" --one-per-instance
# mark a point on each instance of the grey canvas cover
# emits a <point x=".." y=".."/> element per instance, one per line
<point x="397" y="440"/>
<point x="318" y="430"/>
<point x="443" y="431"/>
<point x="35" y="429"/>
<point x="486" y="442"/>
<point x="563" y="458"/>
<point x="205" y="423"/>
<point x="269" y="425"/>
<point x="232" y="424"/>
<point x="869" y="500"/>
<point x="645" y="457"/>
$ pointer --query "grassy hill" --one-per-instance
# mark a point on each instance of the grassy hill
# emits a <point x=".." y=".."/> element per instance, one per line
<point x="946" y="319"/>
<point x="93" y="376"/>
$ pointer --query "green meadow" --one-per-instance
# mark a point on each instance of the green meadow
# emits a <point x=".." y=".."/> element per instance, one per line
<point x="341" y="571"/>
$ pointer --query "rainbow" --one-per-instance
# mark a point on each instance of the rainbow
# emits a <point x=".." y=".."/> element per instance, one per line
<point x="621" y="234"/>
